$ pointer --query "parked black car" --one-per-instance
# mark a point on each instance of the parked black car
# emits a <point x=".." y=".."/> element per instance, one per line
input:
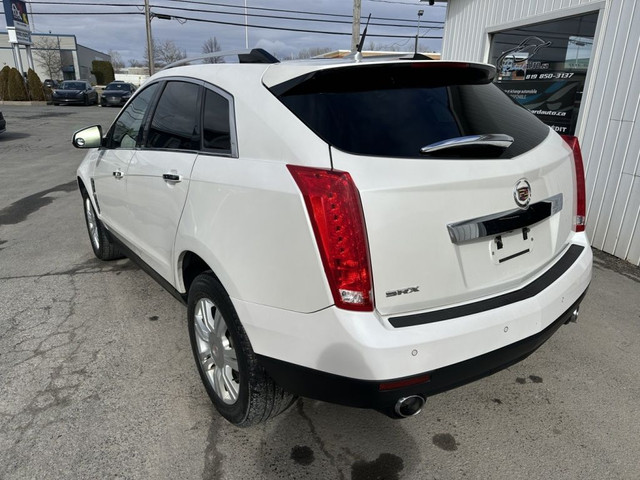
<point x="50" y="83"/>
<point x="3" y="123"/>
<point x="75" y="91"/>
<point x="116" y="94"/>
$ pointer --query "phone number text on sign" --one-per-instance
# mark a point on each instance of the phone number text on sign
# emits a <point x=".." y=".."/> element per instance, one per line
<point x="549" y="76"/>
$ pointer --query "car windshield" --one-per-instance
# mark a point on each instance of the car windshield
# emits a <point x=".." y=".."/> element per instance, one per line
<point x="73" y="86"/>
<point x="118" y="86"/>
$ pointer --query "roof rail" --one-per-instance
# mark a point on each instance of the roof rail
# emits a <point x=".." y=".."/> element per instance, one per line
<point x="255" y="55"/>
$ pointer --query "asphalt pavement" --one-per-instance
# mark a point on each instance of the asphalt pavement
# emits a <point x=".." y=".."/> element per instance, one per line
<point x="97" y="379"/>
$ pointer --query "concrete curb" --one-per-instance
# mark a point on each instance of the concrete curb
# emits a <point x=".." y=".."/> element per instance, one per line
<point x="9" y="102"/>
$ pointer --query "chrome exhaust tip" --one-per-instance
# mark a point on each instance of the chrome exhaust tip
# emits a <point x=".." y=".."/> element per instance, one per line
<point x="573" y="318"/>
<point x="409" y="406"/>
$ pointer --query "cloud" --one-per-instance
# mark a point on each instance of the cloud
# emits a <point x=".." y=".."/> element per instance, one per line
<point x="127" y="34"/>
<point x="277" y="48"/>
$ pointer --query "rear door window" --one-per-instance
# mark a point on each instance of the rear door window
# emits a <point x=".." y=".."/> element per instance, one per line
<point x="176" y="121"/>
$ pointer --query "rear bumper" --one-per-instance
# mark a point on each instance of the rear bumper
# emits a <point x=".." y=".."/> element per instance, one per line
<point x="356" y="351"/>
<point x="352" y="392"/>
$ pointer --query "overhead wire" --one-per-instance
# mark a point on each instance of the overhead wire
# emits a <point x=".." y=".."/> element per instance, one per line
<point x="226" y="5"/>
<point x="183" y="18"/>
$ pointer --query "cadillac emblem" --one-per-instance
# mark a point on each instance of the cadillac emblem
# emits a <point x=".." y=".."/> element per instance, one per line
<point x="522" y="193"/>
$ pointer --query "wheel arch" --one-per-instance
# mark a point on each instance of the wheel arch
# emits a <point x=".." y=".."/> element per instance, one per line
<point x="190" y="265"/>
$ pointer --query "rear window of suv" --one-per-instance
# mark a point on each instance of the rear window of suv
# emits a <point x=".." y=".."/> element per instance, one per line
<point x="394" y="110"/>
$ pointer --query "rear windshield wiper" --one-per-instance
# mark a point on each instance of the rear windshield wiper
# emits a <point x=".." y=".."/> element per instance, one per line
<point x="472" y="145"/>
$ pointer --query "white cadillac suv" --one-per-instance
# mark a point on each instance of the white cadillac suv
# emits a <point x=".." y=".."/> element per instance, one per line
<point x="368" y="233"/>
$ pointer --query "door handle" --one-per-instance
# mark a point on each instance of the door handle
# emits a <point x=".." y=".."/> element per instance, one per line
<point x="171" y="177"/>
<point x="118" y="174"/>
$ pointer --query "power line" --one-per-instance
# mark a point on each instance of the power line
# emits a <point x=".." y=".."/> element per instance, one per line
<point x="197" y="2"/>
<point x="279" y="17"/>
<point x="229" y="23"/>
<point x="289" y="29"/>
<point x="402" y="3"/>
<point x="226" y="5"/>
<point x="83" y="13"/>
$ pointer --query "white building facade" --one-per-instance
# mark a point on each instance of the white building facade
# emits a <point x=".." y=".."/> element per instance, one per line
<point x="76" y="60"/>
<point x="576" y="65"/>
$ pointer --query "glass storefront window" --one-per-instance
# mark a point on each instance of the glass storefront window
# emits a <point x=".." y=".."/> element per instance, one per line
<point x="544" y="67"/>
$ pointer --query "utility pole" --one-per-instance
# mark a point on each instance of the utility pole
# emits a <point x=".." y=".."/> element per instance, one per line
<point x="355" y="32"/>
<point x="246" y="27"/>
<point x="147" y="16"/>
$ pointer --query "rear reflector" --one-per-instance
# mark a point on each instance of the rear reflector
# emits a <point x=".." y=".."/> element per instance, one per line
<point x="581" y="196"/>
<point x="407" y="382"/>
<point x="335" y="211"/>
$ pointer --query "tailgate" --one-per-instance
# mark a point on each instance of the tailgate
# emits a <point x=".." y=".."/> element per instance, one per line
<point x="443" y="232"/>
<point x="464" y="193"/>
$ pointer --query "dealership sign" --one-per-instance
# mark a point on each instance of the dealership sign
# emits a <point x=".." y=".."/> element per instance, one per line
<point x="15" y="12"/>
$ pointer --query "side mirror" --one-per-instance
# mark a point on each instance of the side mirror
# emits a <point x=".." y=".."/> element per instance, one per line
<point x="90" y="137"/>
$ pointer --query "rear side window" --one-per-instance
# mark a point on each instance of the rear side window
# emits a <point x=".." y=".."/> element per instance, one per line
<point x="394" y="110"/>
<point x="175" y="124"/>
<point x="216" y="130"/>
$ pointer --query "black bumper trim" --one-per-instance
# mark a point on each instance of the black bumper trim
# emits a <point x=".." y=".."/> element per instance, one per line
<point x="528" y="291"/>
<point x="311" y="383"/>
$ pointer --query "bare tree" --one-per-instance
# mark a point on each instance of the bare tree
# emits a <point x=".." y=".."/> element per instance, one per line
<point x="164" y="53"/>
<point x="211" y="46"/>
<point x="155" y="55"/>
<point x="312" y="52"/>
<point x="169" y="52"/>
<point x="116" y="60"/>
<point x="47" y="53"/>
<point x="380" y="47"/>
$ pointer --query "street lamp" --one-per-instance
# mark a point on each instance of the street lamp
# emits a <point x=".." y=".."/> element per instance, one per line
<point x="420" y="13"/>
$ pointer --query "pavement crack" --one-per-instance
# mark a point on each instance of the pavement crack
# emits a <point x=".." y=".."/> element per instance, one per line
<point x="212" y="456"/>
<point x="318" y="439"/>
<point x="56" y="351"/>
<point x="77" y="271"/>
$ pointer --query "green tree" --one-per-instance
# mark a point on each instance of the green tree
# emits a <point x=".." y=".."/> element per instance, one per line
<point x="4" y="82"/>
<point x="16" y="90"/>
<point x="103" y="72"/>
<point x="35" y="86"/>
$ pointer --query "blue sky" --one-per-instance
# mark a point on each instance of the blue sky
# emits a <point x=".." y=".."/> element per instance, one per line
<point x="125" y="31"/>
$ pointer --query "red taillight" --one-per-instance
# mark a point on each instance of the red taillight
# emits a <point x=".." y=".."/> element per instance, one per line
<point x="333" y="204"/>
<point x="581" y="195"/>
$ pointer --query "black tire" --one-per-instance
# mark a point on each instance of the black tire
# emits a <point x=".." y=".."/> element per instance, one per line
<point x="252" y="396"/>
<point x="103" y="246"/>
